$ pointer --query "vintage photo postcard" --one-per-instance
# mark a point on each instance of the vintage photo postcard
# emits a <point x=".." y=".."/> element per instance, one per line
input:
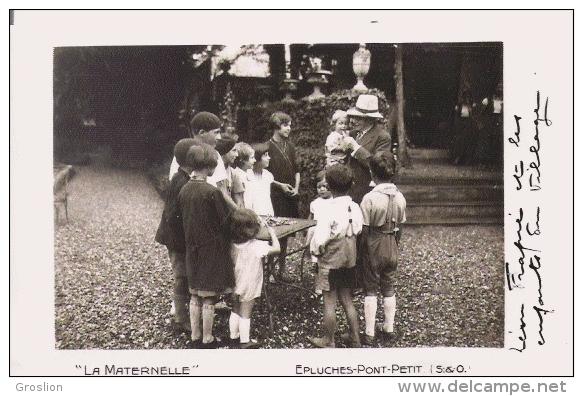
<point x="292" y="193"/>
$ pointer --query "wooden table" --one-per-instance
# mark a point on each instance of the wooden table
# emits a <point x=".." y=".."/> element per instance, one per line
<point x="284" y="227"/>
<point x="289" y="228"/>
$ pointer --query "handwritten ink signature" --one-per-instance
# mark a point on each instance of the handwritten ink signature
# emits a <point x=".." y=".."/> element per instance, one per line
<point x="540" y="312"/>
<point x="534" y="179"/>
<point x="517" y="133"/>
<point x="519" y="245"/>
<point x="522" y="327"/>
<point x="537" y="110"/>
<point x="518" y="173"/>
<point x="537" y="230"/>
<point x="535" y="268"/>
<point x="533" y="229"/>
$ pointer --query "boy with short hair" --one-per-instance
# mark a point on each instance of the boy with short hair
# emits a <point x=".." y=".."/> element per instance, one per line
<point x="383" y="210"/>
<point x="334" y="243"/>
<point x="206" y="218"/>
<point x="205" y="127"/>
<point x="170" y="233"/>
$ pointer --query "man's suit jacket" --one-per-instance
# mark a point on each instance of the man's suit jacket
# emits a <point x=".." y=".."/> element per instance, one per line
<point x="375" y="140"/>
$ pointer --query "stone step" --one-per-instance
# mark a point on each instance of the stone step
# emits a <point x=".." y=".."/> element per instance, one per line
<point x="454" y="222"/>
<point x="492" y="179"/>
<point x="469" y="212"/>
<point x="453" y="192"/>
<point x="424" y="154"/>
<point x="444" y="173"/>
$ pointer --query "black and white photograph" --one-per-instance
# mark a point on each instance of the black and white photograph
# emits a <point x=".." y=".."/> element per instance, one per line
<point x="290" y="112"/>
<point x="370" y="200"/>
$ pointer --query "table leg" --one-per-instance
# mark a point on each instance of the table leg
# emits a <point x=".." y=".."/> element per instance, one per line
<point x="302" y="267"/>
<point x="266" y="276"/>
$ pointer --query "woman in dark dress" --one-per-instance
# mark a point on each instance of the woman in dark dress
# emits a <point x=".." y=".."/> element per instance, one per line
<point x="285" y="170"/>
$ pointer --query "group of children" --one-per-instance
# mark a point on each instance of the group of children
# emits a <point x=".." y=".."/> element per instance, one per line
<point x="219" y="190"/>
<point x="336" y="247"/>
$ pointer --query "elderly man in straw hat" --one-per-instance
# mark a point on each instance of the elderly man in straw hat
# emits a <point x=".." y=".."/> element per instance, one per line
<point x="368" y="137"/>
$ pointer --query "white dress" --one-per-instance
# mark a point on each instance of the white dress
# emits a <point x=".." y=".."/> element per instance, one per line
<point x="248" y="258"/>
<point x="257" y="195"/>
<point x="335" y="148"/>
<point x="317" y="206"/>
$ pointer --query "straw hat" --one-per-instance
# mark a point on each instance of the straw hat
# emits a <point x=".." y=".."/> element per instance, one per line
<point x="366" y="106"/>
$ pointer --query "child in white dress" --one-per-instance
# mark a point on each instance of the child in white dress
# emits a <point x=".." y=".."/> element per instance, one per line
<point x="317" y="207"/>
<point x="336" y="149"/>
<point x="248" y="254"/>
<point x="244" y="161"/>
<point x="257" y="195"/>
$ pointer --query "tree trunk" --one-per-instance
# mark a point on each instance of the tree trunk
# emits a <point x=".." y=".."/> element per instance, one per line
<point x="402" y="152"/>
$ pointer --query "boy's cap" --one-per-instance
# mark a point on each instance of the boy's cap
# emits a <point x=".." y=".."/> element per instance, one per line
<point x="205" y="121"/>
<point x="224" y="145"/>
<point x="181" y="149"/>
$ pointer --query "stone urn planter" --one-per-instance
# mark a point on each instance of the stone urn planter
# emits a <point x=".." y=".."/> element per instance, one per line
<point x="289" y="86"/>
<point x="318" y="79"/>
<point x="361" y="66"/>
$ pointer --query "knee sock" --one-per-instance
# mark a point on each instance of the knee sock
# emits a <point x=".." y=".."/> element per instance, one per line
<point x="234" y="324"/>
<point x="195" y="315"/>
<point x="390" y="307"/>
<point x="370" y="313"/>
<point x="245" y="329"/>
<point x="208" y="319"/>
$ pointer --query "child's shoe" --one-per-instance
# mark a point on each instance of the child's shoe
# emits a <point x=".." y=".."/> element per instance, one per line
<point x="385" y="335"/>
<point x="214" y="344"/>
<point x="320" y="342"/>
<point x="194" y="344"/>
<point x="181" y="327"/>
<point x="252" y="344"/>
<point x="349" y="342"/>
<point x="368" y="340"/>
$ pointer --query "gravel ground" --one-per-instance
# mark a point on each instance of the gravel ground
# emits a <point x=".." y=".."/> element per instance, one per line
<point x="113" y="282"/>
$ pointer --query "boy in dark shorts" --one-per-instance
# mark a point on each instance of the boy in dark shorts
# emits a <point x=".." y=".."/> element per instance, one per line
<point x="383" y="210"/>
<point x="171" y="234"/>
<point x="334" y="243"/>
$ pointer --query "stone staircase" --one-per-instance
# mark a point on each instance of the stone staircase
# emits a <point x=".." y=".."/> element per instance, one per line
<point x="440" y="193"/>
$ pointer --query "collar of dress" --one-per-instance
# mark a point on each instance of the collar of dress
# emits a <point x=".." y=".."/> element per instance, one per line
<point x="342" y="199"/>
<point x="385" y="188"/>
